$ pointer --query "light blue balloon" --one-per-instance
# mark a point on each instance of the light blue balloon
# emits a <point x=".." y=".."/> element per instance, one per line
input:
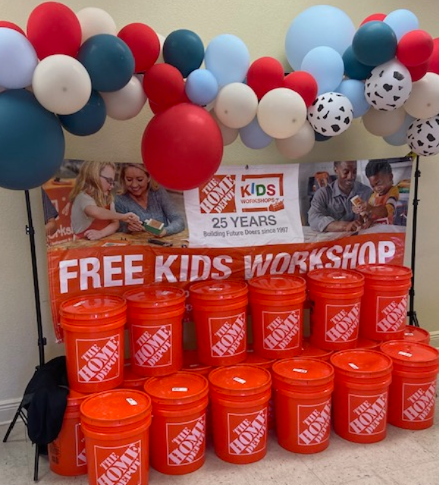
<point x="18" y="60"/>
<point x="326" y="66"/>
<point x="321" y="25"/>
<point x="354" y="91"/>
<point x="201" y="87"/>
<point x="227" y="58"/>
<point x="253" y="136"/>
<point x="402" y="21"/>
<point x="400" y="137"/>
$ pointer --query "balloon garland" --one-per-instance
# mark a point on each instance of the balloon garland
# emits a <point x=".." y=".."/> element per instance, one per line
<point x="82" y="70"/>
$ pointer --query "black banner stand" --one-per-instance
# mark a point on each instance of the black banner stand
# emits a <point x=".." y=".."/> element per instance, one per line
<point x="41" y="339"/>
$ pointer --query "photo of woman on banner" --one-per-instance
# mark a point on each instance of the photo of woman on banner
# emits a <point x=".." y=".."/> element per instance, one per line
<point x="141" y="195"/>
<point x="331" y="207"/>
<point x="93" y="213"/>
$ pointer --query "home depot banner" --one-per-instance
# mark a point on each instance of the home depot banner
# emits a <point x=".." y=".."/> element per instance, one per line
<point x="122" y="261"/>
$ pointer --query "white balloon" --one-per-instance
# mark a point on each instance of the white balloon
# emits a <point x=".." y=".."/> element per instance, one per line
<point x="95" y="21"/>
<point x="384" y="123"/>
<point x="389" y="86"/>
<point x="423" y="102"/>
<point x="236" y="105"/>
<point x="331" y="114"/>
<point x="298" y="145"/>
<point x="61" y="84"/>
<point x="423" y="136"/>
<point x="281" y="113"/>
<point x="126" y="103"/>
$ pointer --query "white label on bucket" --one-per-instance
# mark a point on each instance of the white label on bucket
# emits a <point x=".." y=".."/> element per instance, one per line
<point x="79" y="303"/>
<point x="409" y="334"/>
<point x="131" y="401"/>
<point x="302" y="371"/>
<point x="179" y="389"/>
<point x="238" y="379"/>
<point x="405" y="354"/>
<point x="354" y="366"/>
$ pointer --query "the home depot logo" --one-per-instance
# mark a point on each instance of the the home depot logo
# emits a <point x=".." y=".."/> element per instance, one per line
<point x="186" y="441"/>
<point x="281" y="330"/>
<point x="418" y="401"/>
<point x="342" y="322"/>
<point x="81" y="458"/>
<point x="119" y="465"/>
<point x="367" y="414"/>
<point x="218" y="195"/>
<point x="391" y="314"/>
<point x="228" y="335"/>
<point x="101" y="357"/>
<point x="247" y="433"/>
<point x="314" y="423"/>
<point x="152" y="347"/>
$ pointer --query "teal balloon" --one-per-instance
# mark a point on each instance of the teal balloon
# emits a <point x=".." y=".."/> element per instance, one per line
<point x="353" y="68"/>
<point x="88" y="120"/>
<point x="354" y="91"/>
<point x="108" y="60"/>
<point x="31" y="141"/>
<point x="184" y="50"/>
<point x="400" y="137"/>
<point x="374" y="43"/>
<point x="320" y="137"/>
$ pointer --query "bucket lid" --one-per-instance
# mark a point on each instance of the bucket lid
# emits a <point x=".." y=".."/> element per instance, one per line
<point x="410" y="353"/>
<point x="365" y="343"/>
<point x="219" y="290"/>
<point x="310" y="351"/>
<point x="191" y="363"/>
<point x="240" y="380"/>
<point x="118" y="407"/>
<point x="179" y="388"/>
<point x="385" y="272"/>
<point x="92" y="307"/>
<point x="362" y="363"/>
<point x="254" y="359"/>
<point x="303" y="372"/>
<point x="277" y="284"/>
<point x="335" y="278"/>
<point x="75" y="398"/>
<point x="416" y="334"/>
<point x="155" y="296"/>
<point x="129" y="376"/>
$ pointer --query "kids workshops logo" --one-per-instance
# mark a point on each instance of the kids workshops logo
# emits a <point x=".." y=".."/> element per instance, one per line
<point x="223" y="193"/>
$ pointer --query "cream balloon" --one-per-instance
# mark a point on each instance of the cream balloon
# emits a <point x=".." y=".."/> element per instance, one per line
<point x="95" y="21"/>
<point x="61" y="84"/>
<point x="236" y="105"/>
<point x="126" y="103"/>
<point x="423" y="101"/>
<point x="298" y="145"/>
<point x="384" y="123"/>
<point x="229" y="134"/>
<point x="281" y="113"/>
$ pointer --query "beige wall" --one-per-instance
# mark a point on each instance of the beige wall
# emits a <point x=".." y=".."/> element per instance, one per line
<point x="262" y="25"/>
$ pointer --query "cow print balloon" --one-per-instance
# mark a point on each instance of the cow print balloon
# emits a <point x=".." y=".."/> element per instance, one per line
<point x="423" y="136"/>
<point x="388" y="86"/>
<point x="331" y="114"/>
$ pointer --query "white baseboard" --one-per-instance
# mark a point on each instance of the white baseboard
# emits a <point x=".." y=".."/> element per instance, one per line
<point x="434" y="339"/>
<point x="8" y="408"/>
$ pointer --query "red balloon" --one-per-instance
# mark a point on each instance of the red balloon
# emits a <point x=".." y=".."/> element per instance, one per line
<point x="164" y="85"/>
<point x="415" y="48"/>
<point x="265" y="74"/>
<point x="144" y="44"/>
<point x="10" y="25"/>
<point x="418" y="72"/>
<point x="374" y="17"/>
<point x="53" y="28"/>
<point x="304" y="84"/>
<point x="433" y="62"/>
<point x="182" y="147"/>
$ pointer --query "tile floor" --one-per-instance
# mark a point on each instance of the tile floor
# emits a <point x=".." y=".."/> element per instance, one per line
<point x="403" y="458"/>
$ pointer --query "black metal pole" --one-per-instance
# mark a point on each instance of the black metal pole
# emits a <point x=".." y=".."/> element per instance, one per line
<point x="413" y="319"/>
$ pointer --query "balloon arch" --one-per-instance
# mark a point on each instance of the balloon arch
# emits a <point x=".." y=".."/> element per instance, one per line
<point x="69" y="71"/>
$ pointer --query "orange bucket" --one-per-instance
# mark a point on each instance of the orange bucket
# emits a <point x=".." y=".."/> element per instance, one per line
<point x="94" y="341"/>
<point x="361" y="390"/>
<point x="116" y="429"/>
<point x="239" y="399"/>
<point x="277" y="315"/>
<point x="178" y="428"/>
<point x="220" y="316"/>
<point x="364" y="343"/>
<point x="412" y="394"/>
<point x="155" y="324"/>
<point x="191" y="363"/>
<point x="131" y="380"/>
<point x="416" y="334"/>
<point x="303" y="389"/>
<point x="311" y="352"/>
<point x="335" y="296"/>
<point x="67" y="452"/>
<point x="384" y="305"/>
